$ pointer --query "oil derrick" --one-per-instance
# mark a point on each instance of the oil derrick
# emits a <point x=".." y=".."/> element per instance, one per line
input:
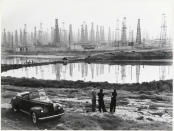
<point x="56" y="34"/>
<point x="86" y="33"/>
<point x="8" y="38"/>
<point x="4" y="38"/>
<point x="46" y="36"/>
<point x="131" y="37"/>
<point x="113" y="35"/>
<point x="70" y="35"/>
<point x="32" y="38"/>
<point x="117" y="33"/>
<point x="92" y="37"/>
<point x="40" y="42"/>
<point x="82" y="34"/>
<point x="35" y="36"/>
<point x="25" y="35"/>
<point x="12" y="43"/>
<point x="21" y="37"/>
<point x="163" y="34"/>
<point x="63" y="34"/>
<point x="52" y="35"/>
<point x="97" y="35"/>
<point x="138" y="37"/>
<point x="16" y="37"/>
<point x="109" y="36"/>
<point x="78" y="35"/>
<point x="123" y="34"/>
<point x="103" y="34"/>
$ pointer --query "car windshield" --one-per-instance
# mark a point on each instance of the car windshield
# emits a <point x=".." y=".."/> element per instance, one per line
<point x="40" y="94"/>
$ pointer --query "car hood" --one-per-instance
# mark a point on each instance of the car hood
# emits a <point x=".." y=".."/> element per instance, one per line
<point x="47" y="100"/>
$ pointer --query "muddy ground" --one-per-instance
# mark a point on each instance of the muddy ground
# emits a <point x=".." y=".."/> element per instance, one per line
<point x="133" y="111"/>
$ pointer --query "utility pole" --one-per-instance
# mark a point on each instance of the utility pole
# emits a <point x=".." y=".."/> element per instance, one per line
<point x="163" y="34"/>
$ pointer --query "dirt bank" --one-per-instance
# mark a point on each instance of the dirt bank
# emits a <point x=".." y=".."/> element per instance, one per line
<point x="6" y="67"/>
<point x="162" y="85"/>
<point x="132" y="112"/>
<point x="131" y="55"/>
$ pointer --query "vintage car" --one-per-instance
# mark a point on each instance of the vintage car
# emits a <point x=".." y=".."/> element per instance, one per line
<point x="37" y="104"/>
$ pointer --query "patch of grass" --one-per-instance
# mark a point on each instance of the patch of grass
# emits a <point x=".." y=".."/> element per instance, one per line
<point x="146" y="86"/>
<point x="140" y="118"/>
<point x="153" y="107"/>
<point x="141" y="107"/>
<point x="158" y="113"/>
<point x="150" y="119"/>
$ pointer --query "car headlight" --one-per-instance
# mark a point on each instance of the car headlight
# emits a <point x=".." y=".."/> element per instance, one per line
<point x="59" y="107"/>
<point x="43" y="110"/>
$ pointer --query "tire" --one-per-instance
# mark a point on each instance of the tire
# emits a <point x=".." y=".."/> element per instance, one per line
<point x="34" y="118"/>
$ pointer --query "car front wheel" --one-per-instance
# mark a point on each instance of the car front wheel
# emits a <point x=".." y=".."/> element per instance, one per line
<point x="34" y="118"/>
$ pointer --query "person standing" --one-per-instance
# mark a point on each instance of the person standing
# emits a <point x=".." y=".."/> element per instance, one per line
<point x="101" y="101"/>
<point x="113" y="101"/>
<point x="93" y="100"/>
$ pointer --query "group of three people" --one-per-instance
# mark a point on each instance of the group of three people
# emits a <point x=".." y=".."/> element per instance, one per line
<point x="101" y="104"/>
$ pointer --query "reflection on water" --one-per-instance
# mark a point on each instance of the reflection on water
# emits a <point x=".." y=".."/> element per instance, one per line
<point x="95" y="72"/>
<point x="137" y="72"/>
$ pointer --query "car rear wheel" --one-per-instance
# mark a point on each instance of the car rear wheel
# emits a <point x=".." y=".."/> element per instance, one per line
<point x="34" y="118"/>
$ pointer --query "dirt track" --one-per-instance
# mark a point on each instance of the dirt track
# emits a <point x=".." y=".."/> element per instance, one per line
<point x="129" y="110"/>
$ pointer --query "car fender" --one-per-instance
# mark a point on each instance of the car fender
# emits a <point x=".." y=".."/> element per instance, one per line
<point x="36" y="109"/>
<point x="13" y="101"/>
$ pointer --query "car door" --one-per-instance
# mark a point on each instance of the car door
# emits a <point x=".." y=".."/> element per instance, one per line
<point x="26" y="102"/>
<point x="34" y="99"/>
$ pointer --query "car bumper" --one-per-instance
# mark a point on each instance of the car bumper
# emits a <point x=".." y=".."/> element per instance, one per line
<point x="49" y="117"/>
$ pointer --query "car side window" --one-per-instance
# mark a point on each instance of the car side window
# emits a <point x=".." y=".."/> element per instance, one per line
<point x="26" y="97"/>
<point x="34" y="95"/>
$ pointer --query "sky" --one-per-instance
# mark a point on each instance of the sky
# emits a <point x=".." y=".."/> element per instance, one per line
<point x="16" y="13"/>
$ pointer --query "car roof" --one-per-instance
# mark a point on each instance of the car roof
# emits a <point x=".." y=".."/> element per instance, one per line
<point x="27" y="92"/>
<point x="22" y="93"/>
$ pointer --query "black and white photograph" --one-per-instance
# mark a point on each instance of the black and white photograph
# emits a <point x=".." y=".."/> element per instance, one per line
<point x="87" y="64"/>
